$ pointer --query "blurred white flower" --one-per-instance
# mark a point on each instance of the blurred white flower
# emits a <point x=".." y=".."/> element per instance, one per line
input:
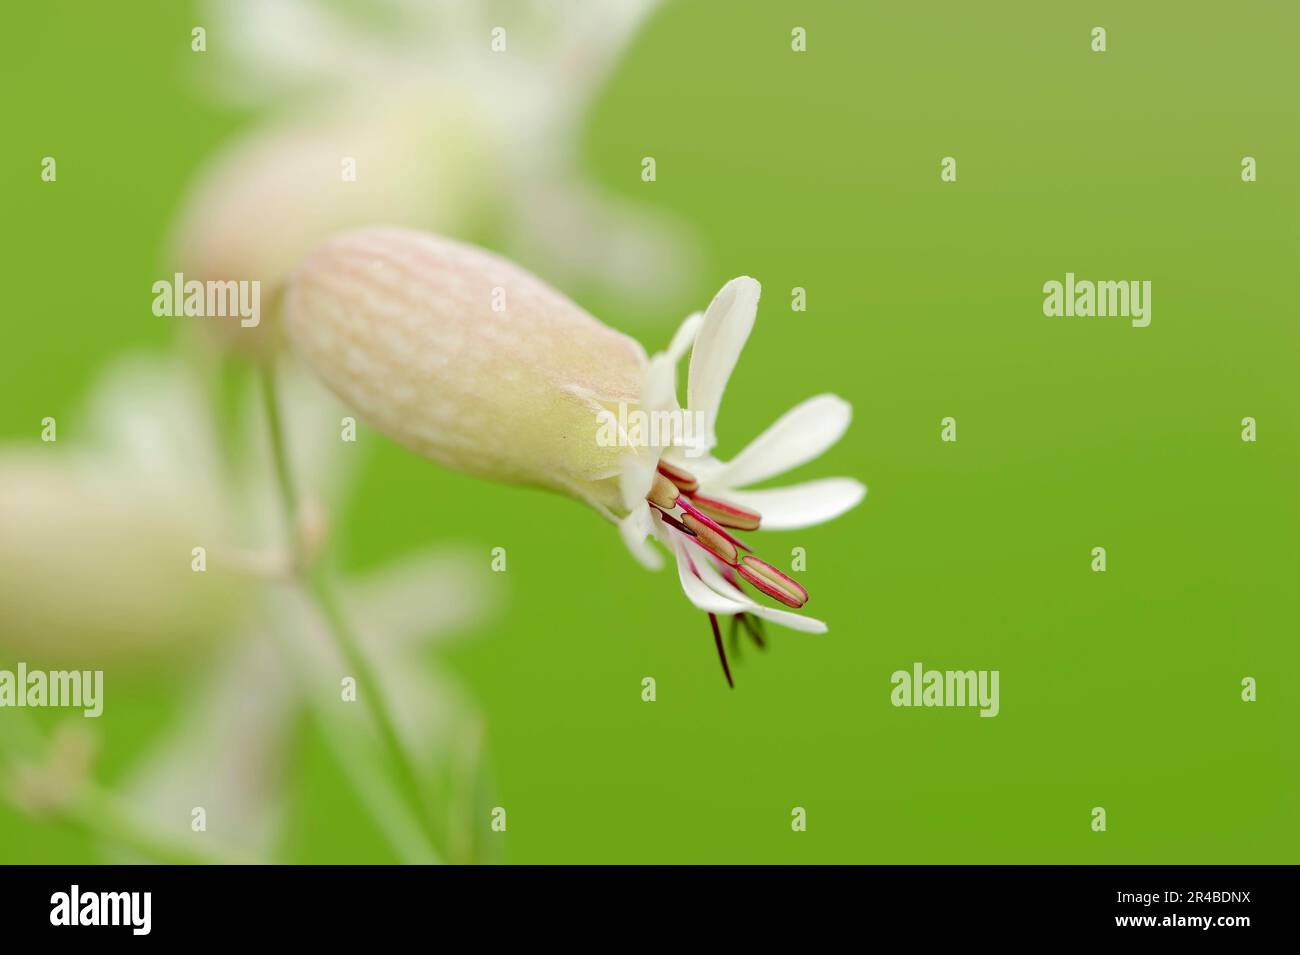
<point x="403" y="326"/>
<point x="231" y="750"/>
<point x="442" y="133"/>
<point x="97" y="531"/>
<point x="96" y="542"/>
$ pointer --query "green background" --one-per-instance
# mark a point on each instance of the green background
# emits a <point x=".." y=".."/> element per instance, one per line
<point x="821" y="170"/>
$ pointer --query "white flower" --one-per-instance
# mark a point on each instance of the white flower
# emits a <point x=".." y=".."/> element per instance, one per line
<point x="407" y="117"/>
<point x="404" y="327"/>
<point x="95" y="570"/>
<point x="97" y="531"/>
<point x="691" y="506"/>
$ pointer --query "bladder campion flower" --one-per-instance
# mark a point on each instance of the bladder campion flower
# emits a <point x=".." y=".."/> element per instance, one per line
<point x="475" y="363"/>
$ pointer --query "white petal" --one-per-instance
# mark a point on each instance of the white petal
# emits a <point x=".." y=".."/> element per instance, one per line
<point x="635" y="529"/>
<point x="660" y="389"/>
<point x="421" y="702"/>
<point x="710" y="593"/>
<point x="226" y="753"/>
<point x="659" y="392"/>
<point x="421" y="598"/>
<point x="802" y="505"/>
<point x="722" y="335"/>
<point x="718" y="584"/>
<point x="697" y="592"/>
<point x="636" y="478"/>
<point x="784" y="618"/>
<point x="578" y="234"/>
<point x="148" y="413"/>
<point x="703" y="466"/>
<point x="685" y="336"/>
<point x="801" y="434"/>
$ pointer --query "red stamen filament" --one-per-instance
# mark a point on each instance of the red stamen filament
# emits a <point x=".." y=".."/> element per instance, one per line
<point x="722" y="653"/>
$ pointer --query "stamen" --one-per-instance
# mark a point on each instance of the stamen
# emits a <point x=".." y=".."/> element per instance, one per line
<point x="754" y="627"/>
<point x="663" y="493"/>
<point x="772" y="582"/>
<point x="722" y="654"/>
<point x="710" y="540"/>
<point x="665" y="497"/>
<point x="726" y="513"/>
<point x="674" y="522"/>
<point x="685" y="504"/>
<point x="684" y="479"/>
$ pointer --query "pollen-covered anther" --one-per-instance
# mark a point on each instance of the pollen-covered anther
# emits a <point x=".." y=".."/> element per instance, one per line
<point x="772" y="582"/>
<point x="726" y="513"/>
<point x="663" y="493"/>
<point x="683" y="478"/>
<point x="716" y="544"/>
<point x="684" y="502"/>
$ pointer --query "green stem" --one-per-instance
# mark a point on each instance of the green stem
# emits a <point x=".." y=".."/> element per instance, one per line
<point x="372" y="785"/>
<point x="279" y="449"/>
<point x="318" y="586"/>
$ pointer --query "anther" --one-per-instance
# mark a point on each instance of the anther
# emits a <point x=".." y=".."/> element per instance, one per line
<point x="710" y="539"/>
<point x="772" y="582"/>
<point x="684" y="479"/>
<point x="685" y="504"/>
<point x="726" y="513"/>
<point x="663" y="493"/>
